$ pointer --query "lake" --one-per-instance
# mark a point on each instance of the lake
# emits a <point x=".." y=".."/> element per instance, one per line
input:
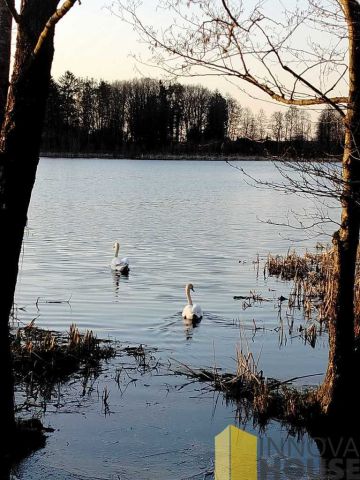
<point x="178" y="222"/>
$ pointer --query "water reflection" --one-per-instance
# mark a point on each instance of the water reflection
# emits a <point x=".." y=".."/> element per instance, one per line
<point x="169" y="248"/>
<point x="190" y="326"/>
<point x="117" y="277"/>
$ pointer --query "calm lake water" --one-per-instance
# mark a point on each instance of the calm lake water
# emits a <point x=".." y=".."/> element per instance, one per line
<point x="178" y="222"/>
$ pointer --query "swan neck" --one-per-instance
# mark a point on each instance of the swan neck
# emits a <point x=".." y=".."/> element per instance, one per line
<point x="188" y="296"/>
<point x="117" y="246"/>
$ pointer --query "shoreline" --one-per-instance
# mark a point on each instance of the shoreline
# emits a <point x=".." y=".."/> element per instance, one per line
<point x="178" y="157"/>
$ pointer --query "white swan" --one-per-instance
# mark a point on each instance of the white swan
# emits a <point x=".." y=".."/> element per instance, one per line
<point x="117" y="264"/>
<point x="191" y="311"/>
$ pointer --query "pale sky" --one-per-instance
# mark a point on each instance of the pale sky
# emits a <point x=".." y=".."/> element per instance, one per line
<point x="92" y="42"/>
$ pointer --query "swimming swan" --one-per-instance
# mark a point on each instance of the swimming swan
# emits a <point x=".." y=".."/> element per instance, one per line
<point x="191" y="312"/>
<point x="117" y="264"/>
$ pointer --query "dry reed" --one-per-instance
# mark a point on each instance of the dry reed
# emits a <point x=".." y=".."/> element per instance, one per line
<point x="50" y="357"/>
<point x="313" y="276"/>
<point x="262" y="398"/>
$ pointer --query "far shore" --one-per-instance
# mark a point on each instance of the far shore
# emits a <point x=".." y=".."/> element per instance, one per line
<point x="183" y="157"/>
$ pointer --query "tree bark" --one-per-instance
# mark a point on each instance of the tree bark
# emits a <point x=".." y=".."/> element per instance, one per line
<point x="5" y="52"/>
<point x="19" y="153"/>
<point x="337" y="395"/>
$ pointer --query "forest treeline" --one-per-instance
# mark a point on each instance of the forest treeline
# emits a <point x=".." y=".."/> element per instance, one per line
<point x="149" y="116"/>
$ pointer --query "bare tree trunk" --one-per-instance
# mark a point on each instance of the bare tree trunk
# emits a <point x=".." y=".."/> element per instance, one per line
<point x="337" y="395"/>
<point x="6" y="400"/>
<point x="19" y="153"/>
<point x="5" y="49"/>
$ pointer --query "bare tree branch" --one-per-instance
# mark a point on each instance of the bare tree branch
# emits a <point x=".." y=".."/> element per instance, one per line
<point x="58" y="15"/>
<point x="10" y="5"/>
<point x="217" y="38"/>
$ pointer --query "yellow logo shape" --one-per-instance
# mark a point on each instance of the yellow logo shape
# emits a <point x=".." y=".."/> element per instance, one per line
<point x="235" y="455"/>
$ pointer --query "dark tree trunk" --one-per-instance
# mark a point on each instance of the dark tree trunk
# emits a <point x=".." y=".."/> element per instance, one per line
<point x="5" y="51"/>
<point x="337" y="394"/>
<point x="19" y="153"/>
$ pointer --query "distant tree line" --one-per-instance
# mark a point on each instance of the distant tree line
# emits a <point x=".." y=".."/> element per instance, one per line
<point x="149" y="116"/>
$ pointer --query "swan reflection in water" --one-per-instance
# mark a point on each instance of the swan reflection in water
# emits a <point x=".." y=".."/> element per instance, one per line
<point x="189" y="327"/>
<point x="117" y="276"/>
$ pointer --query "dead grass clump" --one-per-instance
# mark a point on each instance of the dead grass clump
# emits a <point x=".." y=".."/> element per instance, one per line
<point x="290" y="266"/>
<point x="262" y="401"/>
<point x="51" y="356"/>
<point x="313" y="276"/>
<point x="310" y="275"/>
<point x="267" y="398"/>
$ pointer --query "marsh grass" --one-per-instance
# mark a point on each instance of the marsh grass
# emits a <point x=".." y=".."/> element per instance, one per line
<point x="313" y="290"/>
<point x="52" y="353"/>
<point x="43" y="359"/>
<point x="257" y="397"/>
